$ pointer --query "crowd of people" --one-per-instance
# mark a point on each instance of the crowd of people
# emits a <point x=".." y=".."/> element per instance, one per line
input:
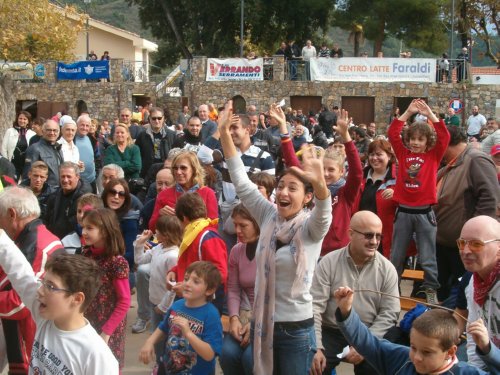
<point x="275" y="218"/>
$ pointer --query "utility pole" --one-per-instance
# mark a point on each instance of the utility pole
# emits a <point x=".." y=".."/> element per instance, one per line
<point x="87" y="2"/>
<point x="242" y="26"/>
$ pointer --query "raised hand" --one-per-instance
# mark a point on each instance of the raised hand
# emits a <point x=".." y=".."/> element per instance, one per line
<point x="225" y="117"/>
<point x="343" y="297"/>
<point x="277" y="113"/>
<point x="141" y="239"/>
<point x="342" y="127"/>
<point x="312" y="170"/>
<point x="425" y="110"/>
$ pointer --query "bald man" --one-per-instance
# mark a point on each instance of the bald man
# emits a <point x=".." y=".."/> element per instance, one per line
<point x="208" y="127"/>
<point x="479" y="246"/>
<point x="360" y="266"/>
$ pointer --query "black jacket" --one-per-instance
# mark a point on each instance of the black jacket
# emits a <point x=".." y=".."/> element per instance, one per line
<point x="44" y="195"/>
<point x="49" y="154"/>
<point x="146" y="145"/>
<point x="60" y="216"/>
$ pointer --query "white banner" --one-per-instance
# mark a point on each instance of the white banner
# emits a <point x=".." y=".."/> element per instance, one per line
<point x="359" y="69"/>
<point x="235" y="70"/>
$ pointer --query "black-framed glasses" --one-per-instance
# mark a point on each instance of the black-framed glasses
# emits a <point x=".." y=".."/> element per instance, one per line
<point x="51" y="288"/>
<point x="156" y="118"/>
<point x="475" y="246"/>
<point x="369" y="235"/>
<point x="114" y="192"/>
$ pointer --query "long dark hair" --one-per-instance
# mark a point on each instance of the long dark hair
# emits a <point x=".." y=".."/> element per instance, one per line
<point x="126" y="203"/>
<point x="27" y="115"/>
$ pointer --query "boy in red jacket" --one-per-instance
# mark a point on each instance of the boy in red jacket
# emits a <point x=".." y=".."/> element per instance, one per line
<point x="200" y="242"/>
<point x="415" y="190"/>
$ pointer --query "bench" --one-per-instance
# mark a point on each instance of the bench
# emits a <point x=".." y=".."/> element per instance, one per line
<point x="414" y="275"/>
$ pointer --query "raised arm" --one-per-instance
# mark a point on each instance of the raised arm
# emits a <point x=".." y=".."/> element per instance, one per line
<point x="291" y="159"/>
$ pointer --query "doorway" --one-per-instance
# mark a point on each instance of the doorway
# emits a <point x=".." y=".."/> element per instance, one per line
<point x="360" y="108"/>
<point x="306" y="103"/>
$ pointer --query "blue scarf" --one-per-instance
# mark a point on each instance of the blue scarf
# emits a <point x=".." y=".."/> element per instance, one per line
<point x="334" y="188"/>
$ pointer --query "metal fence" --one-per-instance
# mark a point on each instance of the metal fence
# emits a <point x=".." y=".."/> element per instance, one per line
<point x="135" y="71"/>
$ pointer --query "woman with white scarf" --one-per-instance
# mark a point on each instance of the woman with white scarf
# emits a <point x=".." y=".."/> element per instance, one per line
<point x="287" y="252"/>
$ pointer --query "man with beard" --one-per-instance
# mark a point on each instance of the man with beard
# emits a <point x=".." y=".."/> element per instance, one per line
<point x="191" y="139"/>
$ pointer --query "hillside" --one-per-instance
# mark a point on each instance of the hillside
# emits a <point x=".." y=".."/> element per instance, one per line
<point x="120" y="14"/>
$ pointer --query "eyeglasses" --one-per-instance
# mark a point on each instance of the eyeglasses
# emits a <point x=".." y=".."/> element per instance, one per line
<point x="156" y="118"/>
<point x="474" y="245"/>
<point x="51" y="288"/>
<point x="369" y="235"/>
<point x="51" y="130"/>
<point x="114" y="192"/>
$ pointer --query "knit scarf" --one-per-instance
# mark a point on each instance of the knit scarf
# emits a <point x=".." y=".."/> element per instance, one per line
<point x="482" y="287"/>
<point x="334" y="188"/>
<point x="192" y="230"/>
<point x="287" y="232"/>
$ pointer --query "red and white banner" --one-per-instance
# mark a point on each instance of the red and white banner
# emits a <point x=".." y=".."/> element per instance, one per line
<point x="235" y="70"/>
<point x="359" y="69"/>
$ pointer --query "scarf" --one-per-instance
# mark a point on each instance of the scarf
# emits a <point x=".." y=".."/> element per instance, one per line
<point x="180" y="189"/>
<point x="287" y="232"/>
<point x="335" y="187"/>
<point x="192" y="230"/>
<point x="481" y="288"/>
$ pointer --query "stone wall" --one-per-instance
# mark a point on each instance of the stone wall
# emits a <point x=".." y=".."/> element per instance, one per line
<point x="262" y="93"/>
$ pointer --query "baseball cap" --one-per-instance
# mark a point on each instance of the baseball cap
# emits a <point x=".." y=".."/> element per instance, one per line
<point x="495" y="150"/>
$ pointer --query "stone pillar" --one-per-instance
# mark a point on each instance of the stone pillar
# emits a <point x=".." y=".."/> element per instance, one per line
<point x="50" y="71"/>
<point x="199" y="69"/>
<point x="278" y="68"/>
<point x="115" y="70"/>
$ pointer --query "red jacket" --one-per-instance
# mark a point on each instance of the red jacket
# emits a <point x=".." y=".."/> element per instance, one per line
<point x="168" y="197"/>
<point x="208" y="246"/>
<point x="344" y="203"/>
<point x="416" y="180"/>
<point x="386" y="208"/>
<point x="37" y="244"/>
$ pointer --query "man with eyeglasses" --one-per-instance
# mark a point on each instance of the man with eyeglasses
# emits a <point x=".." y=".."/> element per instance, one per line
<point x="362" y="267"/>
<point x="479" y="246"/>
<point x="19" y="218"/>
<point x="47" y="150"/>
<point x="467" y="186"/>
<point x="155" y="141"/>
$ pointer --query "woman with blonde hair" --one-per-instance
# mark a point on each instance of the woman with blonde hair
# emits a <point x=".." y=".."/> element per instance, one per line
<point x="124" y="153"/>
<point x="189" y="176"/>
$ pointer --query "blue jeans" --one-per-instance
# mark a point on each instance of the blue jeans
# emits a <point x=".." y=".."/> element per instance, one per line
<point x="235" y="360"/>
<point x="156" y="319"/>
<point x="294" y="350"/>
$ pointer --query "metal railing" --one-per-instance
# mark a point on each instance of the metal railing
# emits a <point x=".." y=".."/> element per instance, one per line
<point x="135" y="71"/>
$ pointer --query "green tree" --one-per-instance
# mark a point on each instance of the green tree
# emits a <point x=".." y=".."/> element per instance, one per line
<point x="481" y="16"/>
<point x="35" y="30"/>
<point x="416" y="22"/>
<point x="212" y="27"/>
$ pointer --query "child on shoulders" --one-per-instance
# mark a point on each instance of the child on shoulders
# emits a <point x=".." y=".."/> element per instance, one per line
<point x="415" y="190"/>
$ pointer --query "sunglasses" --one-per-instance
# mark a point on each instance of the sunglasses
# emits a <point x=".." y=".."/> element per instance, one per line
<point x="474" y="245"/>
<point x="114" y="192"/>
<point x="181" y="167"/>
<point x="369" y="235"/>
<point x="156" y="118"/>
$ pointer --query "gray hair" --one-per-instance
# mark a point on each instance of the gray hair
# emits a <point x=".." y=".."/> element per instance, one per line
<point x="83" y="117"/>
<point x="21" y="200"/>
<point x="70" y="165"/>
<point x="119" y="170"/>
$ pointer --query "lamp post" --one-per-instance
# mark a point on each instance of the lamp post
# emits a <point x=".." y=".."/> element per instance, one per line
<point x="242" y="26"/>
<point x="87" y="2"/>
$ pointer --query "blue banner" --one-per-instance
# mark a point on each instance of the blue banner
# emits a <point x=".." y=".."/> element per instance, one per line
<point x="91" y="69"/>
